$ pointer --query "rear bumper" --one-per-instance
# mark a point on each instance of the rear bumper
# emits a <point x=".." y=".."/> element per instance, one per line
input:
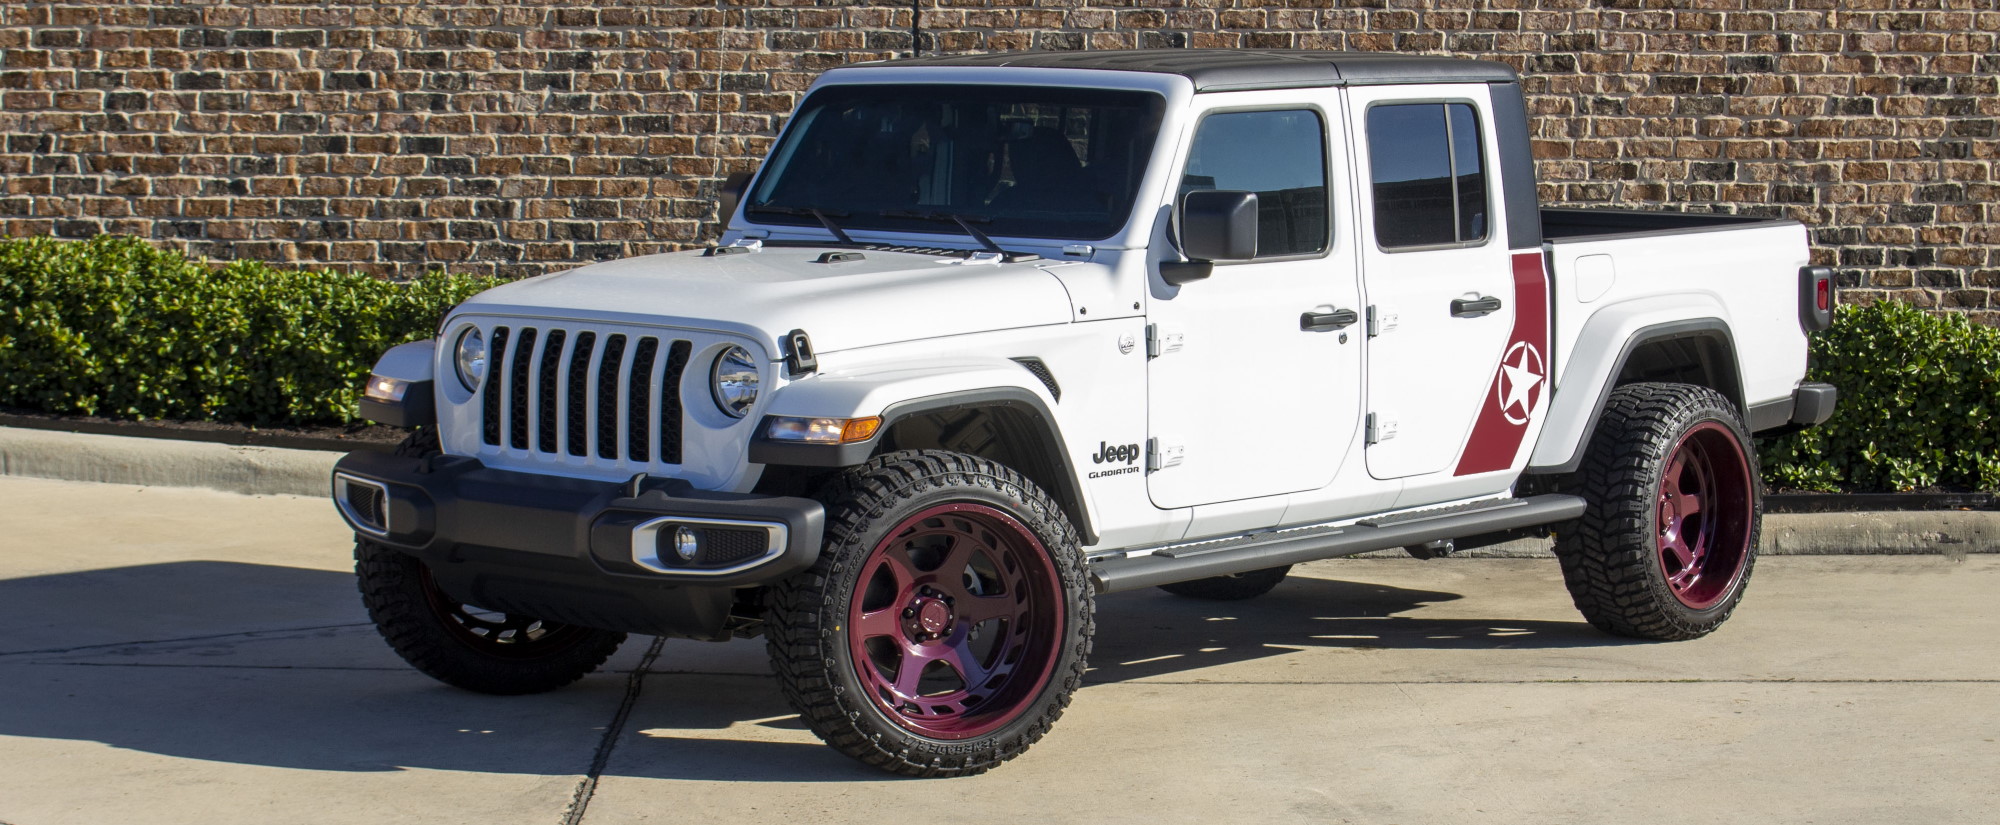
<point x="1809" y="406"/>
<point x="591" y="553"/>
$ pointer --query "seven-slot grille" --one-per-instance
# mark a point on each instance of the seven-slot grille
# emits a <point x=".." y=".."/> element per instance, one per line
<point x="611" y="396"/>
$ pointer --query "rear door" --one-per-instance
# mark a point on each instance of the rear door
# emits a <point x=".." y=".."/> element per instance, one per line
<point x="1438" y="277"/>
<point x="1244" y="401"/>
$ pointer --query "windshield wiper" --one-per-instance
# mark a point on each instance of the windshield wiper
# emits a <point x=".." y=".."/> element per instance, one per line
<point x="963" y="222"/>
<point x="825" y="218"/>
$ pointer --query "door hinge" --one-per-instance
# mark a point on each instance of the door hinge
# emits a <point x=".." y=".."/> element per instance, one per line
<point x="1380" y="322"/>
<point x="1379" y="430"/>
<point x="1161" y="456"/>
<point x="1160" y="342"/>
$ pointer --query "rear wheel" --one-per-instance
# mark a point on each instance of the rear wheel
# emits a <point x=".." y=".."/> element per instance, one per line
<point x="946" y="623"/>
<point x="1666" y="545"/>
<point x="1233" y="587"/>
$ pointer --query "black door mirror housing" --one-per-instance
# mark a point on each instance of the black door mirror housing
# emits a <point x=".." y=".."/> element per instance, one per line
<point x="730" y="195"/>
<point x="1218" y="225"/>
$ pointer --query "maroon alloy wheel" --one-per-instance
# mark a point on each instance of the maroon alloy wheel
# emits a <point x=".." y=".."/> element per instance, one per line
<point x="1706" y="499"/>
<point x="956" y="621"/>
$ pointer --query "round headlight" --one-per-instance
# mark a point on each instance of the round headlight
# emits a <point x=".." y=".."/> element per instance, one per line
<point x="470" y="356"/>
<point x="734" y="379"/>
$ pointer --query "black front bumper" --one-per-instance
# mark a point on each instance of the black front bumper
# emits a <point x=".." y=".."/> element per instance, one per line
<point x="591" y="553"/>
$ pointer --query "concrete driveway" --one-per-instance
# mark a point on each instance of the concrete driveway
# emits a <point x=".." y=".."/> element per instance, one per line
<point x="175" y="655"/>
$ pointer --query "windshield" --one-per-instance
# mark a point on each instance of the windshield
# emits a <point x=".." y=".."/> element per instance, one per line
<point x="1023" y="161"/>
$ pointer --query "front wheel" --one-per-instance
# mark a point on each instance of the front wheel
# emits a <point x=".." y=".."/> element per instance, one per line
<point x="1667" y="541"/>
<point x="946" y="623"/>
<point x="461" y="646"/>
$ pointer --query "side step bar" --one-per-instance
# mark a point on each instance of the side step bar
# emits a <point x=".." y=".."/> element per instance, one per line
<point x="1276" y="549"/>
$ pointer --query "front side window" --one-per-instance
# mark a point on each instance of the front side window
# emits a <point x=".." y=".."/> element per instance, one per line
<point x="1022" y="161"/>
<point x="1429" y="173"/>
<point x="1281" y="156"/>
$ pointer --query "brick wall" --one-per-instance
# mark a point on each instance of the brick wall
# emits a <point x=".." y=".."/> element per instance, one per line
<point x="517" y="137"/>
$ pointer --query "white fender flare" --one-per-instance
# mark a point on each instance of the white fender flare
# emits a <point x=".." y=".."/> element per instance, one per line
<point x="1600" y="352"/>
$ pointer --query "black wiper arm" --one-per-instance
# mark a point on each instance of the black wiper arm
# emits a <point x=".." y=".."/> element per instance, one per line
<point x="825" y="218"/>
<point x="963" y="222"/>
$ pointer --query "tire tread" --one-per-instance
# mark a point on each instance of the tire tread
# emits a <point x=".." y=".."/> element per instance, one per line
<point x="1608" y="554"/>
<point x="803" y="623"/>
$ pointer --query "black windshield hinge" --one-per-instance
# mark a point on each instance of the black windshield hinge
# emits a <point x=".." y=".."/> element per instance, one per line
<point x="799" y="360"/>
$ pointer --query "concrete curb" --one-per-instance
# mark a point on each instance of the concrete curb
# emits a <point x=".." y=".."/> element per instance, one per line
<point x="269" y="470"/>
<point x="163" y="462"/>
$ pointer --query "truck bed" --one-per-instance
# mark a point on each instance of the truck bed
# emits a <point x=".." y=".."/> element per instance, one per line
<point x="1611" y="265"/>
<point x="1568" y="224"/>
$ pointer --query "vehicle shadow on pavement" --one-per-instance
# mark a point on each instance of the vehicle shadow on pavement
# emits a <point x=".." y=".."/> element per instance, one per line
<point x="277" y="666"/>
<point x="261" y="665"/>
<point x="1152" y="634"/>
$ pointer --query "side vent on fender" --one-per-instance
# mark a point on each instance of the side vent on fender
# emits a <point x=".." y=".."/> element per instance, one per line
<point x="1042" y="373"/>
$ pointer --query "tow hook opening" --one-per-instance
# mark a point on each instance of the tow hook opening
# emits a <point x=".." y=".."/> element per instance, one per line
<point x="364" y="503"/>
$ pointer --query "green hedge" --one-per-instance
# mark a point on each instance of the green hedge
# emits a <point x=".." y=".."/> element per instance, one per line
<point x="1917" y="396"/>
<point x="115" y="327"/>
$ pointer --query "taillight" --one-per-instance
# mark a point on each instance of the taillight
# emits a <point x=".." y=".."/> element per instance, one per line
<point x="1815" y="298"/>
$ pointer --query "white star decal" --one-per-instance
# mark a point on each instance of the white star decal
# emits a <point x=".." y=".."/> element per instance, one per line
<point x="1520" y="375"/>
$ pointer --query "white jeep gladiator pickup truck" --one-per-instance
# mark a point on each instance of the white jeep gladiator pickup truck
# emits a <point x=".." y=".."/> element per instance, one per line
<point x="990" y="336"/>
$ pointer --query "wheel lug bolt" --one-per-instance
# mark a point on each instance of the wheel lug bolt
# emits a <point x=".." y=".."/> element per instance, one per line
<point x="909" y="612"/>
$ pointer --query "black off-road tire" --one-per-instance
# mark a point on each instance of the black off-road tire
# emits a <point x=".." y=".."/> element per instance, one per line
<point x="813" y="645"/>
<point x="422" y="442"/>
<point x="1617" y="559"/>
<point x="1233" y="587"/>
<point x="443" y="639"/>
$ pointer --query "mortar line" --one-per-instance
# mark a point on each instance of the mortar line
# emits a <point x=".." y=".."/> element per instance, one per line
<point x="579" y="802"/>
<point x="143" y="642"/>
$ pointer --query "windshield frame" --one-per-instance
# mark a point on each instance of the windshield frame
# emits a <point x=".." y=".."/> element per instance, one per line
<point x="1157" y="97"/>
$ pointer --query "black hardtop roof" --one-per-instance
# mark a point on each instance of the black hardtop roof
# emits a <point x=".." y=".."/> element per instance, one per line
<point x="1216" y="70"/>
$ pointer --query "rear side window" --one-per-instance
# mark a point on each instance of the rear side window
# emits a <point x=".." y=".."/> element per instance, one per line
<point x="1281" y="156"/>
<point x="1428" y="167"/>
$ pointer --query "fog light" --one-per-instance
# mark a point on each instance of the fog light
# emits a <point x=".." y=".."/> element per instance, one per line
<point x="687" y="543"/>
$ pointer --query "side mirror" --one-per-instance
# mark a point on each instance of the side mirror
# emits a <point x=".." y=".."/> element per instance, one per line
<point x="730" y="195"/>
<point x="1219" y="225"/>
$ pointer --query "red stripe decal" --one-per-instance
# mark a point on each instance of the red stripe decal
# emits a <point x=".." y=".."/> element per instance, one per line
<point x="1520" y="382"/>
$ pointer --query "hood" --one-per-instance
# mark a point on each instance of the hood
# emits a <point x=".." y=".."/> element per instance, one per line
<point x="884" y="298"/>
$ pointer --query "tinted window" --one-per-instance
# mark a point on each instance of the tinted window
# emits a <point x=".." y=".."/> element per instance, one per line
<point x="1281" y="156"/>
<point x="1428" y="167"/>
<point x="1023" y="161"/>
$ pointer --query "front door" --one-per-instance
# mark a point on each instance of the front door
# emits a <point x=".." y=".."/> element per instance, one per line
<point x="1440" y="283"/>
<point x="1244" y="400"/>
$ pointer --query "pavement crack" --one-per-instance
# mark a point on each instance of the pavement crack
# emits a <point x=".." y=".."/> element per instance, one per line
<point x="145" y="642"/>
<point x="210" y="666"/>
<point x="1443" y="734"/>
<point x="579" y="802"/>
<point x="1399" y="682"/>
